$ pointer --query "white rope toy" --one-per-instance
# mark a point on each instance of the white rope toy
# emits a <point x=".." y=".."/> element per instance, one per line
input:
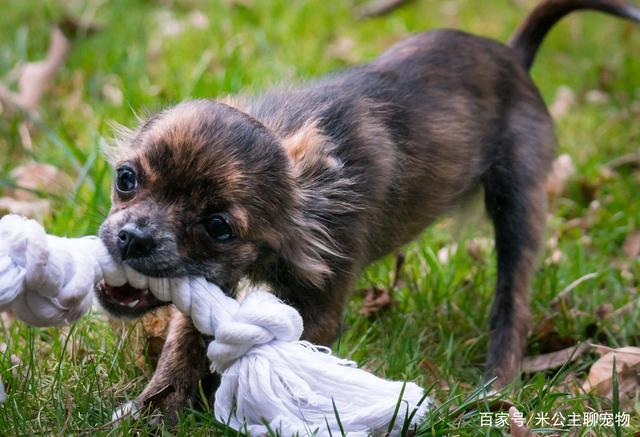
<point x="267" y="374"/>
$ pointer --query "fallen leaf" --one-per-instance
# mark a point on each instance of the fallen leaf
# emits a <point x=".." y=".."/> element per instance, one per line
<point x="342" y="48"/>
<point x="606" y="77"/>
<point x="33" y="81"/>
<point x="377" y="8"/>
<point x="35" y="209"/>
<point x="479" y="248"/>
<point x="631" y="246"/>
<point x="626" y="308"/>
<point x="74" y="27"/>
<point x="434" y="373"/>
<point x="630" y="160"/>
<point x="35" y="178"/>
<point x="556" y="257"/>
<point x="596" y="96"/>
<point x="603" y="311"/>
<point x="167" y="23"/>
<point x="198" y="20"/>
<point x="15" y="361"/>
<point x="553" y="360"/>
<point x="562" y="170"/>
<point x="549" y="340"/>
<point x="155" y="325"/>
<point x="375" y="301"/>
<point x="445" y="253"/>
<point x="517" y="424"/>
<point x="600" y="378"/>
<point x="36" y="77"/>
<point x="112" y="90"/>
<point x="6" y="318"/>
<point x="564" y="100"/>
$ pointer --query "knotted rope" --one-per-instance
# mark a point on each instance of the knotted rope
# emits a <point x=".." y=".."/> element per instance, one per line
<point x="267" y="374"/>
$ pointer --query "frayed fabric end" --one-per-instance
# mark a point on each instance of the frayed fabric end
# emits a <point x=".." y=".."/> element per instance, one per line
<point x="304" y="391"/>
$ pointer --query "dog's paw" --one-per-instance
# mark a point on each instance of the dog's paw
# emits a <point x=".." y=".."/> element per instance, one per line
<point x="133" y="410"/>
<point x="129" y="409"/>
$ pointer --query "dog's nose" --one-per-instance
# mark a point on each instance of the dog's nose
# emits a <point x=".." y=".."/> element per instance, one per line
<point x="134" y="241"/>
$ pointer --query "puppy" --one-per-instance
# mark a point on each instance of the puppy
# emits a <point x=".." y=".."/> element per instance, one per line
<point x="301" y="188"/>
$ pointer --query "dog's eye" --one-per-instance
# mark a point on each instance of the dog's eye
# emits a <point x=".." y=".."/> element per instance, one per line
<point x="218" y="227"/>
<point x="126" y="181"/>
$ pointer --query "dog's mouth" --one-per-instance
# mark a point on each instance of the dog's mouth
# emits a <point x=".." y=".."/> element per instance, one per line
<point x="126" y="300"/>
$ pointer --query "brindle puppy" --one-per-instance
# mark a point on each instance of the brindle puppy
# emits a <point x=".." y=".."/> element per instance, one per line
<point x="301" y="188"/>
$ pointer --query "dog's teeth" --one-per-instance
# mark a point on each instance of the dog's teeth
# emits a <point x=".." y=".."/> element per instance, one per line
<point x="134" y="303"/>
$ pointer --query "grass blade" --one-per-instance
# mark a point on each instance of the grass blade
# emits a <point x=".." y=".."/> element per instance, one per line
<point x="616" y="400"/>
<point x="395" y="411"/>
<point x="335" y="412"/>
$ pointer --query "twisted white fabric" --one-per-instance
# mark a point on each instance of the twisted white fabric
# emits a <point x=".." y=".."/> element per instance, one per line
<point x="267" y="374"/>
<point x="48" y="280"/>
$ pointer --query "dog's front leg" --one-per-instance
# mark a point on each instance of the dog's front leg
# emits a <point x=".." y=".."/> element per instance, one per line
<point x="182" y="366"/>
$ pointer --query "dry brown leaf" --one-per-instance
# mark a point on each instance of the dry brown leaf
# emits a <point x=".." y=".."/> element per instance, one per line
<point x="446" y="252"/>
<point x="556" y="257"/>
<point x="379" y="299"/>
<point x="563" y="101"/>
<point x="112" y="90"/>
<point x="36" y="177"/>
<point x="562" y="170"/>
<point x="74" y="27"/>
<point x="155" y="325"/>
<point x="35" y="209"/>
<point x="549" y="339"/>
<point x="33" y="81"/>
<point x="36" y="76"/>
<point x="479" y="248"/>
<point x="631" y="246"/>
<point x="434" y="373"/>
<point x="630" y="160"/>
<point x="6" y="319"/>
<point x="342" y="48"/>
<point x="600" y="378"/>
<point x="517" y="424"/>
<point x="596" y="96"/>
<point x="198" y="20"/>
<point x="552" y="360"/>
<point x="375" y="301"/>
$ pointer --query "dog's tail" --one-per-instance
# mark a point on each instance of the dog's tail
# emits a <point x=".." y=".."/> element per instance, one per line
<point x="526" y="40"/>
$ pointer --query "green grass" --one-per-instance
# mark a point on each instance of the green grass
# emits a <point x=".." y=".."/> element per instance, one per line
<point x="69" y="381"/>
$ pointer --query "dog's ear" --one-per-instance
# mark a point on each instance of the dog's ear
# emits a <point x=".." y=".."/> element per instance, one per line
<point x="309" y="149"/>
<point x="319" y="190"/>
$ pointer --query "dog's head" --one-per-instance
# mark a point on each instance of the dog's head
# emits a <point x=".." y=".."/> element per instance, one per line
<point x="202" y="189"/>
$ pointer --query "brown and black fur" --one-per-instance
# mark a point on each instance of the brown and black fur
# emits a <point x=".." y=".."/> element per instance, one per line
<point x="321" y="180"/>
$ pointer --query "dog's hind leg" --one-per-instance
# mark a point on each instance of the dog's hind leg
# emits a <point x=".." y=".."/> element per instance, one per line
<point x="515" y="198"/>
